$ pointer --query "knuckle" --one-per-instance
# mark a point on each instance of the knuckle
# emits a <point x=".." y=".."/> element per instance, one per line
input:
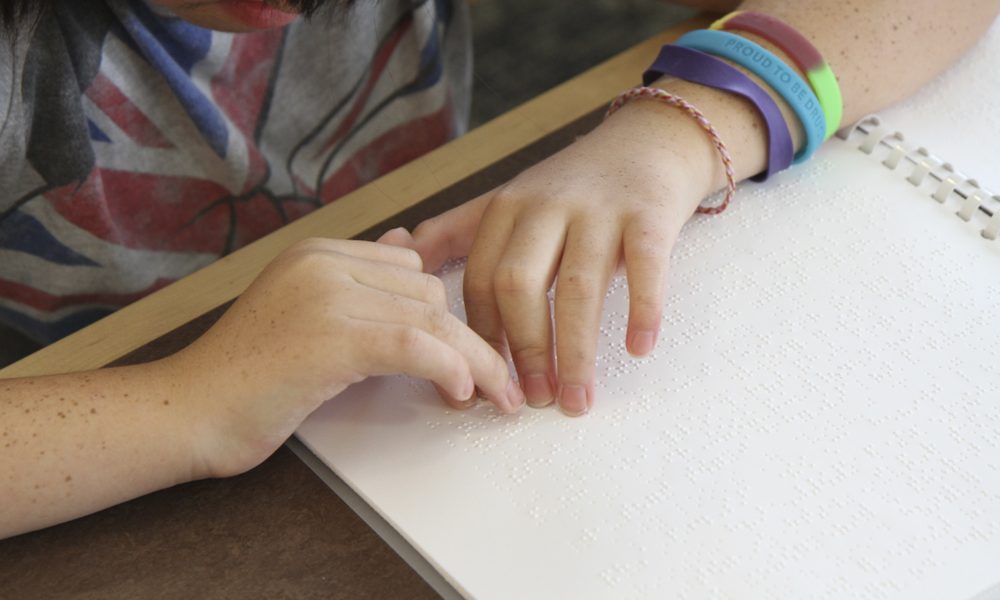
<point x="311" y="241"/>
<point x="299" y="248"/>
<point x="574" y="363"/>
<point x="477" y="287"/>
<point x="437" y="318"/>
<point x="579" y="286"/>
<point x="531" y="354"/>
<point x="408" y="340"/>
<point x="512" y="279"/>
<point x="305" y="263"/>
<point x="645" y="301"/>
<point x="506" y="196"/>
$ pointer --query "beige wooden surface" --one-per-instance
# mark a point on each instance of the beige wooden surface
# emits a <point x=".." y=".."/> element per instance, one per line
<point x="159" y="313"/>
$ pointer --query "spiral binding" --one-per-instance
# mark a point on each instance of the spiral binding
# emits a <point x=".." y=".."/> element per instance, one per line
<point x="925" y="167"/>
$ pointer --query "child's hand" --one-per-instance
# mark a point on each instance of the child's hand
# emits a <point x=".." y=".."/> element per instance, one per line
<point x="622" y="192"/>
<point x="323" y="315"/>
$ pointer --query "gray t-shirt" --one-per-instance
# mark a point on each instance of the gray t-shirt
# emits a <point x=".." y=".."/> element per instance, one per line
<point x="136" y="147"/>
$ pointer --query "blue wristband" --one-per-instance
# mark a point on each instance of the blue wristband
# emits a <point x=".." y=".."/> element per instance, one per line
<point x="704" y="69"/>
<point x="782" y="78"/>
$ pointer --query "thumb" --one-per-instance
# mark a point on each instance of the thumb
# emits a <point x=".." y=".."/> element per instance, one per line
<point x="448" y="235"/>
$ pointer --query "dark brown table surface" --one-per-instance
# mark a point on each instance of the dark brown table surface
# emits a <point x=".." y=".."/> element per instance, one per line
<point x="276" y="531"/>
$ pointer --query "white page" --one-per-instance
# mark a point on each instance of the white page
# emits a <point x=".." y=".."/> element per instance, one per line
<point x="820" y="419"/>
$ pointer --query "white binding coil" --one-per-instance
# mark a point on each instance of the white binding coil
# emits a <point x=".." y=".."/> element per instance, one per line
<point x="922" y="169"/>
<point x="969" y="207"/>
<point x="944" y="189"/>
<point x="992" y="227"/>
<point x="925" y="166"/>
<point x="896" y="154"/>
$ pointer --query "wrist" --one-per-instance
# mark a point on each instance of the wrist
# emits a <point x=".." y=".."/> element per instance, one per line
<point x="739" y="124"/>
<point x="181" y="386"/>
<point x="238" y="412"/>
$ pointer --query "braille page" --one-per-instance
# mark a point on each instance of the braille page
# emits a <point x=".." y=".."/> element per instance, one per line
<point x="819" y="420"/>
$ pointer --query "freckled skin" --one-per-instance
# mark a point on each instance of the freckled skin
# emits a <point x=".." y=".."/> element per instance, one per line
<point x="260" y="372"/>
<point x="48" y="452"/>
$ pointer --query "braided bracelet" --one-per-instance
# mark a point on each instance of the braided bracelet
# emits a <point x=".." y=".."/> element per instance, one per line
<point x="705" y="69"/>
<point x="672" y="100"/>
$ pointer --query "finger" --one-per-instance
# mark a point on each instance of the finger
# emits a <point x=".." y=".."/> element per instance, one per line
<point x="647" y="242"/>
<point x="414" y="352"/>
<point x="589" y="259"/>
<point x="393" y="279"/>
<point x="454" y="402"/>
<point x="403" y="257"/>
<point x="448" y="235"/>
<point x="397" y="237"/>
<point x="521" y="282"/>
<point x="488" y="368"/>
<point x="418" y="286"/>
<point x="481" y="308"/>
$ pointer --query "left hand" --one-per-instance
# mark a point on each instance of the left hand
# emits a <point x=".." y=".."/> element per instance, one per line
<point x="621" y="192"/>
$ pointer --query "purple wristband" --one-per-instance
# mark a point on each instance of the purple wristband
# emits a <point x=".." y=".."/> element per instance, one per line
<point x="704" y="69"/>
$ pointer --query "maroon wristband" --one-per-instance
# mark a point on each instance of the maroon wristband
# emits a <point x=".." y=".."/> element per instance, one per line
<point x="701" y="68"/>
<point x="801" y="51"/>
<point x="791" y="42"/>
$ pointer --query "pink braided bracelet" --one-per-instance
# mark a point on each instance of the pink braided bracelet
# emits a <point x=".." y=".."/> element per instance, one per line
<point x="672" y="100"/>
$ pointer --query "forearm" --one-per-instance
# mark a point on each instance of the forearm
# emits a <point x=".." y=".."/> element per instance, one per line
<point x="881" y="51"/>
<point x="884" y="50"/>
<point x="74" y="444"/>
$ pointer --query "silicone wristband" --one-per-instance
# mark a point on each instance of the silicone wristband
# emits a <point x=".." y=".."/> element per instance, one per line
<point x="802" y="53"/>
<point x="782" y="78"/>
<point x="704" y="69"/>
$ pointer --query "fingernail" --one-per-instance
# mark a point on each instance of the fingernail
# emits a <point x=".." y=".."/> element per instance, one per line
<point x="469" y="391"/>
<point x="464" y="404"/>
<point x="470" y="399"/>
<point x="515" y="397"/>
<point x="538" y="389"/>
<point x="573" y="400"/>
<point x="642" y="343"/>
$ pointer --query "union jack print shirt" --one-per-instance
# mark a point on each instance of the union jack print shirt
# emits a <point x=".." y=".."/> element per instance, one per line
<point x="136" y="147"/>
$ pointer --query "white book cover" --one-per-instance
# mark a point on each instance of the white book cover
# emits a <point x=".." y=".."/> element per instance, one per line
<point x="821" y="418"/>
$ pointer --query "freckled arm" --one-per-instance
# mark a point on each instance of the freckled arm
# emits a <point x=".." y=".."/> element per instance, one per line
<point x="884" y="50"/>
<point x="881" y="52"/>
<point x="73" y="444"/>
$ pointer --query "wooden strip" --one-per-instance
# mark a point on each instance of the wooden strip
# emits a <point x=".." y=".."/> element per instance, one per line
<point x="220" y="282"/>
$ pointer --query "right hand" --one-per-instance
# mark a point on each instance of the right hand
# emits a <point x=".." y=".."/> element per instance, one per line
<point x="323" y="315"/>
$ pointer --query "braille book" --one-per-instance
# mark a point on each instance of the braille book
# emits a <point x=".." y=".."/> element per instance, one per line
<point x="820" y="419"/>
